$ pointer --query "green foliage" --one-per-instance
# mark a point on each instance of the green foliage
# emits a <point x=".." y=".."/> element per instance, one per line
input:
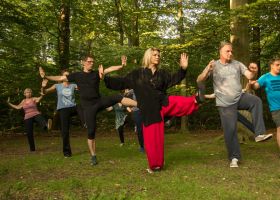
<point x="29" y="35"/>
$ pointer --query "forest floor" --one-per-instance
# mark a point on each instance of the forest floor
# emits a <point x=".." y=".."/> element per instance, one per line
<point x="196" y="167"/>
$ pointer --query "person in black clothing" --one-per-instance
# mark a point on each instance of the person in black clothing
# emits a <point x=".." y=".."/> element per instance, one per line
<point x="88" y="84"/>
<point x="150" y="84"/>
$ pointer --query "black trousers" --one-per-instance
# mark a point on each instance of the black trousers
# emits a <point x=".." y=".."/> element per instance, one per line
<point x="90" y="111"/>
<point x="65" y="115"/>
<point x="28" y="123"/>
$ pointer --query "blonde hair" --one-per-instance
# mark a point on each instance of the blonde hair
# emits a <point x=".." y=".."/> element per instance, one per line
<point x="147" y="56"/>
<point x="27" y="90"/>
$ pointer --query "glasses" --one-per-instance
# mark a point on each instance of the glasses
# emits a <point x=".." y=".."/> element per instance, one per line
<point x="89" y="61"/>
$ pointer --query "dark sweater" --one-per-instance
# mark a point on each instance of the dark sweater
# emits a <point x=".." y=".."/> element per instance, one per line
<point x="150" y="89"/>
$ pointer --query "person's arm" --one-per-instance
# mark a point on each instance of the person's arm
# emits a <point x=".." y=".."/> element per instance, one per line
<point x="129" y="109"/>
<point x="49" y="90"/>
<point x="109" y="108"/>
<point x="18" y="107"/>
<point x="120" y="83"/>
<point x="210" y="96"/>
<point x="205" y="73"/>
<point x="37" y="99"/>
<point x="254" y="84"/>
<point x="51" y="78"/>
<point x="112" y="68"/>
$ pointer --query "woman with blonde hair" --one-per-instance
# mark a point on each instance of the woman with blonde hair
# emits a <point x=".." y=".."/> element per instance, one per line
<point x="29" y="105"/>
<point x="150" y="84"/>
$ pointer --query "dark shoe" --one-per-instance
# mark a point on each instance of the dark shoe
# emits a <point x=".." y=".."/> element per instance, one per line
<point x="142" y="150"/>
<point x="93" y="160"/>
<point x="67" y="155"/>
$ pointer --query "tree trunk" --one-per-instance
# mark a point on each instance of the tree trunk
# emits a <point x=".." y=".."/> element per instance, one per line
<point x="240" y="41"/>
<point x="184" y="120"/>
<point x="64" y="34"/>
<point x="120" y="20"/>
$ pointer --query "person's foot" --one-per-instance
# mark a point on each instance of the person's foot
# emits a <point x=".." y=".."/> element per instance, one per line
<point x="67" y="155"/>
<point x="263" y="137"/>
<point x="151" y="171"/>
<point x="93" y="160"/>
<point x="49" y="125"/>
<point x="121" y="144"/>
<point x="233" y="163"/>
<point x="142" y="150"/>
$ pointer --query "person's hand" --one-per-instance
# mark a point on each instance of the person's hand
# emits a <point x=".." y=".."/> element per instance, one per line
<point x="42" y="92"/>
<point x="8" y="100"/>
<point x="44" y="82"/>
<point x="210" y="66"/>
<point x="101" y="71"/>
<point x="42" y="72"/>
<point x="124" y="59"/>
<point x="184" y="60"/>
<point x="252" y="82"/>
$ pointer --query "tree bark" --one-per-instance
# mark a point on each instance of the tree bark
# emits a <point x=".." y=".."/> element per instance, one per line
<point x="64" y="34"/>
<point x="120" y="20"/>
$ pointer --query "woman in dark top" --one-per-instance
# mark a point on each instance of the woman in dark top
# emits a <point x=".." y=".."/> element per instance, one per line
<point x="150" y="84"/>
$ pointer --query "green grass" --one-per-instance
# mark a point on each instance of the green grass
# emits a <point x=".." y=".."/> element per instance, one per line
<point x="196" y="168"/>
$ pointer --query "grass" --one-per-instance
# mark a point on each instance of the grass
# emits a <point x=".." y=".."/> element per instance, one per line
<point x="196" y="168"/>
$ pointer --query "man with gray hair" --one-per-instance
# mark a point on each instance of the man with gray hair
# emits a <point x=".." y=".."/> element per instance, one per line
<point x="226" y="74"/>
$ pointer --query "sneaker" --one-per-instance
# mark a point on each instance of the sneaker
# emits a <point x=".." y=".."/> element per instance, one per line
<point x="150" y="171"/>
<point x="93" y="160"/>
<point x="234" y="163"/>
<point x="121" y="144"/>
<point x="49" y="125"/>
<point x="260" y="138"/>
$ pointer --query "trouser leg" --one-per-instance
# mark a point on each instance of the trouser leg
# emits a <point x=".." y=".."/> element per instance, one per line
<point x="228" y="117"/>
<point x="65" y="116"/>
<point x="253" y="104"/>
<point x="28" y="123"/>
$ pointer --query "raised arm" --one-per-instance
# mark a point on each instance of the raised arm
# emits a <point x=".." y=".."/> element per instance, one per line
<point x="18" y="107"/>
<point x="51" y="78"/>
<point x="38" y="99"/>
<point x="112" y="68"/>
<point x="47" y="90"/>
<point x="205" y="73"/>
<point x="184" y="61"/>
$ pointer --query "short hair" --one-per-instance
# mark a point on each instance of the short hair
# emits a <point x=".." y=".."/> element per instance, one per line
<point x="147" y="56"/>
<point x="224" y="43"/>
<point x="27" y="89"/>
<point x="271" y="61"/>
<point x="85" y="57"/>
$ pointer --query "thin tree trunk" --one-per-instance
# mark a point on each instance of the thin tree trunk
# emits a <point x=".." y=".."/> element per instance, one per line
<point x="120" y="20"/>
<point x="64" y="34"/>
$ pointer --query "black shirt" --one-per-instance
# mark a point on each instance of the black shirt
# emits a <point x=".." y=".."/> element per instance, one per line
<point x="150" y="89"/>
<point x="88" y="85"/>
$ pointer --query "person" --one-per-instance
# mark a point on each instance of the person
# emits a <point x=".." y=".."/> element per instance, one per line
<point x="120" y="119"/>
<point x="31" y="115"/>
<point x="271" y="83"/>
<point x="226" y="74"/>
<point x="137" y="118"/>
<point x="66" y="107"/>
<point x="91" y="101"/>
<point x="150" y="84"/>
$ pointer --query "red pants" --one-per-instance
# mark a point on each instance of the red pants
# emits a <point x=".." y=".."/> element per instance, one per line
<point x="154" y="134"/>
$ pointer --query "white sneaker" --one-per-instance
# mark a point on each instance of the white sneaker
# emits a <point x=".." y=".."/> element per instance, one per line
<point x="234" y="163"/>
<point x="260" y="138"/>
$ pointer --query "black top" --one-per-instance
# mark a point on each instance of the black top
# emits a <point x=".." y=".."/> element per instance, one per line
<point x="88" y="85"/>
<point x="150" y="89"/>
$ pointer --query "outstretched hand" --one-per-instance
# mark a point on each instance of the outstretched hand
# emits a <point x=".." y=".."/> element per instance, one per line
<point x="184" y="60"/>
<point x="124" y="59"/>
<point x="42" y="72"/>
<point x="101" y="71"/>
